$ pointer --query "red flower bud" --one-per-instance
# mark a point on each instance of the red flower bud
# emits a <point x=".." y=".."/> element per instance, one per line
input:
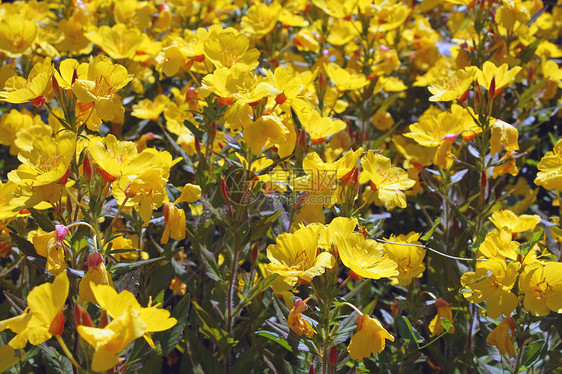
<point x="86" y="168"/>
<point x="74" y="76"/>
<point x="64" y="178"/>
<point x="311" y="370"/>
<point x="191" y="94"/>
<point x="224" y="190"/>
<point x="302" y="139"/>
<point x="95" y="259"/>
<point x="464" y="96"/>
<point x="197" y="145"/>
<point x="492" y="90"/>
<point x="281" y="98"/>
<point x="255" y="253"/>
<point x="450" y="138"/>
<point x="104" y="321"/>
<point x="441" y="303"/>
<point x="61" y="231"/>
<point x="56" y="87"/>
<point x="333" y="356"/>
<point x="38" y="101"/>
<point x="57" y="324"/>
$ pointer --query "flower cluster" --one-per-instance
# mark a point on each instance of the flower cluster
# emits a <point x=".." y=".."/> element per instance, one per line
<point x="365" y="185"/>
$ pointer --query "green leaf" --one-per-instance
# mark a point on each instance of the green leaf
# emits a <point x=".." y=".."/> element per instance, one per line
<point x="42" y="220"/>
<point x="154" y="363"/>
<point x="172" y="337"/>
<point x="446" y="324"/>
<point x="256" y="290"/>
<point x="409" y="334"/>
<point x="196" y="131"/>
<point x="428" y="234"/>
<point x="24" y="245"/>
<point x="480" y="237"/>
<point x="529" y="93"/>
<point x="532" y="351"/>
<point x="125" y="268"/>
<point x="55" y="362"/>
<point x="525" y="248"/>
<point x="259" y="229"/>
<point x="529" y="51"/>
<point x="211" y="265"/>
<point x="274" y="337"/>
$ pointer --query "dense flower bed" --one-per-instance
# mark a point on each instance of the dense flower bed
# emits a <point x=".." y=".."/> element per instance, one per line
<point x="280" y="186"/>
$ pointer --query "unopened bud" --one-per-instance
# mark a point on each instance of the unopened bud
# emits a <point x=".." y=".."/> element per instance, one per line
<point x="224" y="190"/>
<point x="191" y="94"/>
<point x="86" y="168"/>
<point x="441" y="303"/>
<point x="61" y="231"/>
<point x="74" y="76"/>
<point x="57" y="324"/>
<point x="56" y="86"/>
<point x="281" y="98"/>
<point x="450" y="137"/>
<point x="38" y="101"/>
<point x="255" y="253"/>
<point x="167" y="211"/>
<point x="64" y="178"/>
<point x="104" y="320"/>
<point x="333" y="356"/>
<point x="464" y="96"/>
<point x="322" y="83"/>
<point x="492" y="90"/>
<point x="311" y="370"/>
<point x="197" y="145"/>
<point x="95" y="259"/>
<point x="302" y="139"/>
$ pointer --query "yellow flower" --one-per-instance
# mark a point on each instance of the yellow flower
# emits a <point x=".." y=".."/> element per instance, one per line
<point x="365" y="257"/>
<point x="44" y="316"/>
<point x="388" y="182"/>
<point x="175" y="223"/>
<point x="114" y="338"/>
<point x="96" y="274"/>
<point x="155" y="319"/>
<point x="17" y="35"/>
<point x="503" y="133"/>
<point x="514" y="223"/>
<point x="112" y="155"/>
<point x="498" y="244"/>
<point x="550" y="169"/>
<point x="148" y="109"/>
<point x="264" y="132"/>
<point x="229" y="48"/>
<point x="260" y="19"/>
<point x="369" y="339"/>
<point x="542" y="285"/>
<point x="454" y="88"/>
<point x="500" y="76"/>
<point x="51" y="246"/>
<point x="500" y="337"/>
<point x="47" y="162"/>
<point x="345" y="79"/>
<point x="7" y="357"/>
<point x="492" y="282"/>
<point x="409" y="258"/>
<point x="99" y="90"/>
<point x="178" y="287"/>
<point x="443" y="311"/>
<point x="19" y="90"/>
<point x="296" y="321"/>
<point x="295" y="256"/>
<point x="119" y="41"/>
<point x="319" y="128"/>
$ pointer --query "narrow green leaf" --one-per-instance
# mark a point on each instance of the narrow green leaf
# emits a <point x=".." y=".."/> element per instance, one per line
<point x="24" y="245"/>
<point x="532" y="352"/>
<point x="260" y="229"/>
<point x="196" y="131"/>
<point x="274" y="337"/>
<point x="428" y="234"/>
<point x="42" y="220"/>
<point x="480" y="237"/>
<point x="125" y="268"/>
<point x="172" y="337"/>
